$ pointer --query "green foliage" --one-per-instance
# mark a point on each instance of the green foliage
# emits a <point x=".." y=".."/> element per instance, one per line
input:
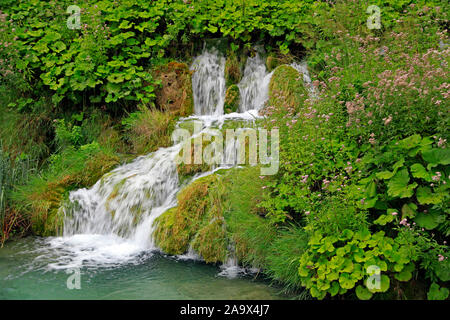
<point x="437" y="293"/>
<point x="336" y="264"/>
<point x="106" y="60"/>
<point x="67" y="135"/>
<point x="410" y="179"/>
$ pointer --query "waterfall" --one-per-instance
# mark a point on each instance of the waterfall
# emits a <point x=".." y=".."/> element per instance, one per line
<point x="208" y="83"/>
<point x="254" y="86"/>
<point x="112" y="222"/>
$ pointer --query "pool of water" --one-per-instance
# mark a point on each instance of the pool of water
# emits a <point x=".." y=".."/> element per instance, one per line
<point x="33" y="268"/>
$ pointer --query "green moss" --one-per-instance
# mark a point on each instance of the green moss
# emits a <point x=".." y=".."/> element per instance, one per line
<point x="232" y="99"/>
<point x="168" y="235"/>
<point x="188" y="125"/>
<point x="211" y="242"/>
<point x="286" y="89"/>
<point x="116" y="189"/>
<point x="176" y="228"/>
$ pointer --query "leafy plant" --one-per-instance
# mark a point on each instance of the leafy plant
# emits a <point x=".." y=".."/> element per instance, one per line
<point x="336" y="264"/>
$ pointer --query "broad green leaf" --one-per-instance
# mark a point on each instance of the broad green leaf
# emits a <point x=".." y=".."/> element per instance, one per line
<point x="334" y="289"/>
<point x="35" y="33"/>
<point x="384" y="218"/>
<point x="410" y="142"/>
<point x="125" y="24"/>
<point x="362" y="293"/>
<point x="404" y="275"/>
<point x="371" y="190"/>
<point x="41" y="47"/>
<point x="437" y="156"/>
<point x="362" y="235"/>
<point x="409" y="210"/>
<point x="398" y="164"/>
<point x="58" y="46"/>
<point x="346" y="281"/>
<point x="398" y="185"/>
<point x="385" y="175"/>
<point x="116" y="78"/>
<point x="428" y="221"/>
<point x="419" y="171"/>
<point x="442" y="270"/>
<point x="426" y="196"/>
<point x="437" y="293"/>
<point x="381" y="286"/>
<point x="51" y="36"/>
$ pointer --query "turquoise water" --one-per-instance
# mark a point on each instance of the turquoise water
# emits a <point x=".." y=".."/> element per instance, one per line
<point x="27" y="271"/>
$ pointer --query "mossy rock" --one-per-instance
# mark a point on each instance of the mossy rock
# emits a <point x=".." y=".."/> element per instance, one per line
<point x="232" y="99"/>
<point x="286" y="89"/>
<point x="168" y="235"/>
<point x="177" y="227"/>
<point x="175" y="94"/>
<point x="188" y="125"/>
<point x="211" y="242"/>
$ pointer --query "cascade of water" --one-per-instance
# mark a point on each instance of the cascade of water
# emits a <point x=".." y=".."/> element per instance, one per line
<point x="113" y="220"/>
<point x="208" y="83"/>
<point x="254" y="86"/>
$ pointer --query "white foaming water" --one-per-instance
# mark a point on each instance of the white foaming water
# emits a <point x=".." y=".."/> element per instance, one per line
<point x="112" y="222"/>
<point x="254" y="86"/>
<point x="208" y="83"/>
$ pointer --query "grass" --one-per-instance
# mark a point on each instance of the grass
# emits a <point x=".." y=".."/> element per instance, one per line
<point x="13" y="172"/>
<point x="148" y="129"/>
<point x="42" y="196"/>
